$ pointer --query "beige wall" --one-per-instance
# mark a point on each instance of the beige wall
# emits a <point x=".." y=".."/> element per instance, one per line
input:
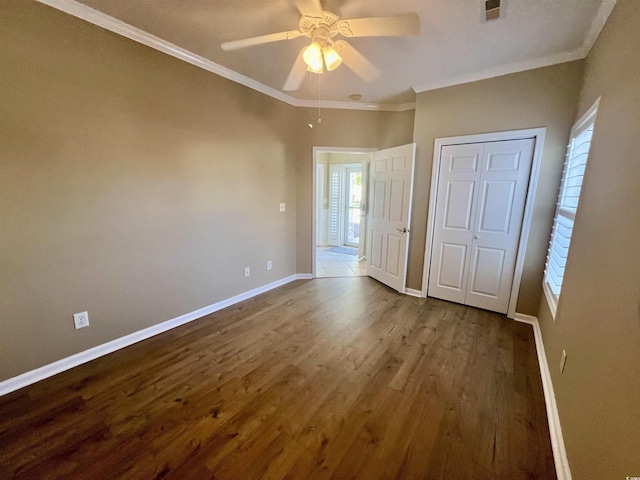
<point x="138" y="187"/>
<point x="340" y="128"/>
<point x="132" y="185"/>
<point x="598" y="318"/>
<point x="545" y="97"/>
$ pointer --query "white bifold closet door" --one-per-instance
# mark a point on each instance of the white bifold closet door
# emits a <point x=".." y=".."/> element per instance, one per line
<point x="482" y="189"/>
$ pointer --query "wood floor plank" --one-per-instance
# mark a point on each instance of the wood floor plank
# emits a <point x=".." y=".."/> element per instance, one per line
<point x="331" y="378"/>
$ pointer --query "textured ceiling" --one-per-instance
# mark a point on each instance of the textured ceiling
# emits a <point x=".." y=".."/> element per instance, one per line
<point x="455" y="45"/>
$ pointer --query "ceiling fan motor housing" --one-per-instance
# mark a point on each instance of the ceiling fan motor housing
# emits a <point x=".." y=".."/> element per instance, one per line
<point x="321" y="29"/>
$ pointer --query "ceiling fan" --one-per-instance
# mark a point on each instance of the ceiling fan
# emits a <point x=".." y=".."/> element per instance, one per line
<point x="322" y="26"/>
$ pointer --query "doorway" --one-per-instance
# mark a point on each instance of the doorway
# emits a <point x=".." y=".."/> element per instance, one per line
<point x="340" y="217"/>
<point x="385" y="194"/>
<point x="480" y="210"/>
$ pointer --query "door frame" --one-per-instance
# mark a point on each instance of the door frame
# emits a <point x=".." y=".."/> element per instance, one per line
<point x="538" y="134"/>
<point x="314" y="194"/>
<point x="321" y="231"/>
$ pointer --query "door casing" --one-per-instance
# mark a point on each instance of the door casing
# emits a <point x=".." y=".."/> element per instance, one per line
<point x="538" y="134"/>
<point x="321" y="231"/>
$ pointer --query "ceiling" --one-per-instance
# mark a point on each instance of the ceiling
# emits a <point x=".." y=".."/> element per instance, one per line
<point x="455" y="45"/>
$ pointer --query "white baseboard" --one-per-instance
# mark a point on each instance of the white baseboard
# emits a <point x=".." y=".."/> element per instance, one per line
<point x="304" y="276"/>
<point x="413" y="292"/>
<point x="557" y="442"/>
<point x="46" y="371"/>
<point x="530" y="319"/>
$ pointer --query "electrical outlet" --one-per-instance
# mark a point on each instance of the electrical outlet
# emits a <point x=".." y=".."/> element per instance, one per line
<point x="563" y="360"/>
<point x="283" y="207"/>
<point x="269" y="265"/>
<point x="247" y="271"/>
<point x="81" y="320"/>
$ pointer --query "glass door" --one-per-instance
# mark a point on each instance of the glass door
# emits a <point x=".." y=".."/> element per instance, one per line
<point x="353" y="198"/>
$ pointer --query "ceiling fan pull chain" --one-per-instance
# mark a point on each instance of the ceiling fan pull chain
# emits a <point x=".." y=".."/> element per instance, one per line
<point x="319" y="86"/>
<point x="310" y="106"/>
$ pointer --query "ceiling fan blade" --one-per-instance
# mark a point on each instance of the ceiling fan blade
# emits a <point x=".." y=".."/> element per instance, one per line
<point x="356" y="62"/>
<point x="249" y="42"/>
<point x="396" y="26"/>
<point x="311" y="8"/>
<point x="297" y="74"/>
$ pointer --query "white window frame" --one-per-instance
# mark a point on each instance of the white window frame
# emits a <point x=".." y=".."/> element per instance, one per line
<point x="587" y="121"/>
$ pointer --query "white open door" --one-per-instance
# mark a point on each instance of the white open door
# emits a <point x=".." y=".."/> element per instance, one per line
<point x="481" y="193"/>
<point x="390" y="195"/>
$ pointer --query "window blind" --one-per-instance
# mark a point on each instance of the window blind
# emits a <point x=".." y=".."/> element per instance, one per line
<point x="568" y="198"/>
<point x="334" y="204"/>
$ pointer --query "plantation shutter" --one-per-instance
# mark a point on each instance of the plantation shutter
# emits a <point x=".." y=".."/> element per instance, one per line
<point x="334" y="204"/>
<point x="572" y="177"/>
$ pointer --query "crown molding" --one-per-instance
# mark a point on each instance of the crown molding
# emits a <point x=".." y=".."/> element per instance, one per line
<point x="605" y="9"/>
<point x="119" y="27"/>
<point x="403" y="107"/>
<point x="503" y="70"/>
<point x="380" y="107"/>
<point x="114" y="25"/>
<point x="606" y="6"/>
<point x="88" y="14"/>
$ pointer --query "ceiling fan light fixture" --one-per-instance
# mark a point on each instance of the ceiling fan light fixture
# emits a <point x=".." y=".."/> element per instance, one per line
<point x="315" y="69"/>
<point x="313" y="57"/>
<point x="332" y="59"/>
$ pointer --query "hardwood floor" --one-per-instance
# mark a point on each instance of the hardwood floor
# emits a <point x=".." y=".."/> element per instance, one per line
<point x="330" y="378"/>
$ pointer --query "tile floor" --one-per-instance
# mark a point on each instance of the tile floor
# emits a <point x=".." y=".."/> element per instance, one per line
<point x="330" y="264"/>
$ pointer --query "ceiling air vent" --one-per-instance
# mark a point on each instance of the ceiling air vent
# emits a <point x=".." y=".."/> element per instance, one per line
<point x="491" y="10"/>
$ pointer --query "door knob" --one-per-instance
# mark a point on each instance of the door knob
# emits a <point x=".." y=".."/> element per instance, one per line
<point x="476" y="237"/>
<point x="402" y="230"/>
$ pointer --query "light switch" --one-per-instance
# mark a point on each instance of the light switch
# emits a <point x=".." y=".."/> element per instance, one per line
<point x="283" y="207"/>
